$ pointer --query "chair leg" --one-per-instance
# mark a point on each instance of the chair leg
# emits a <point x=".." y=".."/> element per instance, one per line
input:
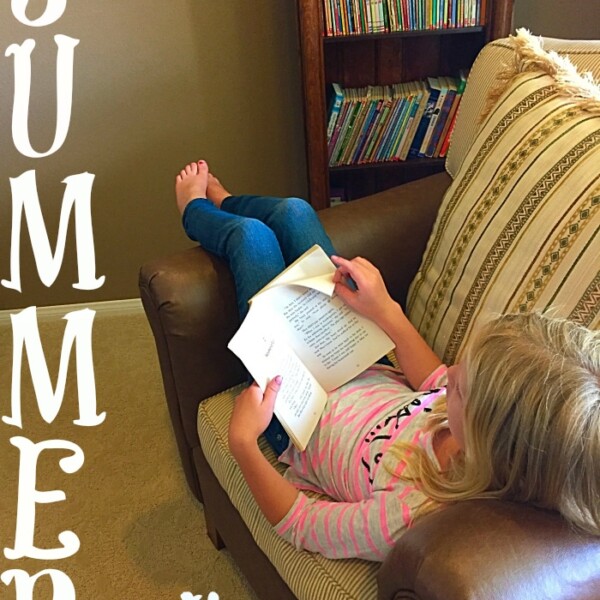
<point x="212" y="532"/>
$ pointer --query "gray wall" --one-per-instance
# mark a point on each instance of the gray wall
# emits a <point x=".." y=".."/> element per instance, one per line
<point x="568" y="19"/>
<point x="157" y="84"/>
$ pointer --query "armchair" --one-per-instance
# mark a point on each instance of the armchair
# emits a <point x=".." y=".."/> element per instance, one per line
<point x="487" y="550"/>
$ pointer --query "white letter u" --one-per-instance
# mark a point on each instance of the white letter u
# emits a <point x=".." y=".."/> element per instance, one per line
<point x="64" y="93"/>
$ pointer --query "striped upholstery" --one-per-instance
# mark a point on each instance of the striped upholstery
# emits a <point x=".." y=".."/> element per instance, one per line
<point x="518" y="228"/>
<point x="308" y="575"/>
<point x="585" y="55"/>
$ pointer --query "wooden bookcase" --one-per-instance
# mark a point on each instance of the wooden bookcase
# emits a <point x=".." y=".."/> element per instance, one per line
<point x="378" y="59"/>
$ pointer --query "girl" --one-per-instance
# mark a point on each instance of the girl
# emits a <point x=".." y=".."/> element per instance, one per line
<point x="518" y="419"/>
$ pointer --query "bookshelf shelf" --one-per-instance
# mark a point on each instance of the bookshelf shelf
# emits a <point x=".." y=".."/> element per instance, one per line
<point x="377" y="59"/>
<point x="333" y="39"/>
<point x="396" y="165"/>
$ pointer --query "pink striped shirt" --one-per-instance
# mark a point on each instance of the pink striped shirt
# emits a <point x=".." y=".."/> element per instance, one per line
<point x="370" y="506"/>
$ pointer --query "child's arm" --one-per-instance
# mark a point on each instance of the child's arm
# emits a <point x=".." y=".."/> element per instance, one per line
<point x="251" y="415"/>
<point x="366" y="529"/>
<point x="371" y="299"/>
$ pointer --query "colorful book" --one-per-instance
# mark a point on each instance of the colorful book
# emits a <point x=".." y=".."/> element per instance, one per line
<point x="460" y="87"/>
<point x="389" y="135"/>
<point x="381" y="142"/>
<point x="408" y="93"/>
<point x="340" y="127"/>
<point x="432" y="96"/>
<point x="346" y="126"/>
<point x="438" y="87"/>
<point x="419" y="109"/>
<point x="377" y="101"/>
<point x="362" y="125"/>
<point x="462" y="82"/>
<point x="357" y="127"/>
<point x="382" y="121"/>
<point x="450" y="86"/>
<point x="337" y="97"/>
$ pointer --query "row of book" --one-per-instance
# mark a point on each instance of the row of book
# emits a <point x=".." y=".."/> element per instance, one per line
<point x="354" y="17"/>
<point x="393" y="122"/>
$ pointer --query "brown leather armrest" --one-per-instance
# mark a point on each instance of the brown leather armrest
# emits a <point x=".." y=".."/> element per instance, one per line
<point x="491" y="550"/>
<point x="189" y="299"/>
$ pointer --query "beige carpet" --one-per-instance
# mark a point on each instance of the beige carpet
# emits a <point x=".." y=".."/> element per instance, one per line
<point x="142" y="532"/>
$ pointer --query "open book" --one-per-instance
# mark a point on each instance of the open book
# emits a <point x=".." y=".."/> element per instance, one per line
<point x="298" y="329"/>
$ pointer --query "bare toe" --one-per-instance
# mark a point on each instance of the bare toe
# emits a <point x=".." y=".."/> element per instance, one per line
<point x="191" y="184"/>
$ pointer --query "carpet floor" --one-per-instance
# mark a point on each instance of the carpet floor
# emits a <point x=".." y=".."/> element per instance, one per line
<point x="141" y="531"/>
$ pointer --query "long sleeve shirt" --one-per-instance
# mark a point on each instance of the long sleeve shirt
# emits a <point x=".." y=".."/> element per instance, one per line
<point x="348" y="459"/>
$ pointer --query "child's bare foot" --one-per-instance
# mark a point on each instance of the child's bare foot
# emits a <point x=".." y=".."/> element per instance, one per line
<point x="191" y="183"/>
<point x="215" y="192"/>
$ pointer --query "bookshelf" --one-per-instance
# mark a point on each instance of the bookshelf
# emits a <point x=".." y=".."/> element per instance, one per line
<point x="378" y="59"/>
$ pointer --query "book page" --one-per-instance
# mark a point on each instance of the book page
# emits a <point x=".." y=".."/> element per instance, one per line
<point x="334" y="342"/>
<point x="313" y="269"/>
<point x="301" y="399"/>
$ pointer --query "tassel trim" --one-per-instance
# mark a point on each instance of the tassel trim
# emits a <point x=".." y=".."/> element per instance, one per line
<point x="530" y="56"/>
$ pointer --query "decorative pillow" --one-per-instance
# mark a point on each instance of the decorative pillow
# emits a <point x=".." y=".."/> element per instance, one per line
<point x="584" y="54"/>
<point x="518" y="228"/>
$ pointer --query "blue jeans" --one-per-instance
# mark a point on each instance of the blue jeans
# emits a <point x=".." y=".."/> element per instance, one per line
<point x="258" y="237"/>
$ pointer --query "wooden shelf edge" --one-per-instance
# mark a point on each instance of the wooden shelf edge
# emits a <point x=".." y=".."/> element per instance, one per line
<point x="396" y="164"/>
<point x="357" y="37"/>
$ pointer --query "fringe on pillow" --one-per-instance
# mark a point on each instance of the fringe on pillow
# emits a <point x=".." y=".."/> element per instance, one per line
<point x="531" y="56"/>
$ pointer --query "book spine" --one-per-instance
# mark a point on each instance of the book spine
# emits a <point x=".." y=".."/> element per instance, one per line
<point x="380" y="128"/>
<point x="359" y="126"/>
<point x="342" y="125"/>
<point x="430" y="115"/>
<point x="334" y="111"/>
<point x="482" y="12"/>
<point x="399" y="108"/>
<point x="356" y="16"/>
<point x="336" y="17"/>
<point x="363" y="16"/>
<point x="444" y="132"/>
<point x="441" y="119"/>
<point x="422" y="126"/>
<point x="391" y="8"/>
<point x="370" y="126"/>
<point x="416" y="114"/>
<point x="352" y="123"/>
<point x="460" y="88"/>
<point x="446" y="143"/>
<point x="409" y="99"/>
<point x="368" y="112"/>
<point x="328" y="20"/>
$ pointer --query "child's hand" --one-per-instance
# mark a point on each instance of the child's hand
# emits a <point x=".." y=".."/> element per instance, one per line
<point x="252" y="413"/>
<point x="371" y="299"/>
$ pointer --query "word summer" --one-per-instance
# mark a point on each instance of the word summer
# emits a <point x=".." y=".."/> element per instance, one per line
<point x="26" y="339"/>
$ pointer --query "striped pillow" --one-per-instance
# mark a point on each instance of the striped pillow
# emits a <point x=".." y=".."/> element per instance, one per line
<point x="584" y="54"/>
<point x="518" y="228"/>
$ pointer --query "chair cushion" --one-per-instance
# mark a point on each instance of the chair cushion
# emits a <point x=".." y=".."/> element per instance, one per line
<point x="308" y="575"/>
<point x="584" y="54"/>
<point x="517" y="229"/>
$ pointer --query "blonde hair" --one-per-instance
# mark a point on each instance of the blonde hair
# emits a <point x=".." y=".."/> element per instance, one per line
<point x="531" y="422"/>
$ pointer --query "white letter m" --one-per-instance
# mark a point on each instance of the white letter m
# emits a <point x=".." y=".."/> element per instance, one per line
<point x="25" y="199"/>
<point x="26" y="335"/>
